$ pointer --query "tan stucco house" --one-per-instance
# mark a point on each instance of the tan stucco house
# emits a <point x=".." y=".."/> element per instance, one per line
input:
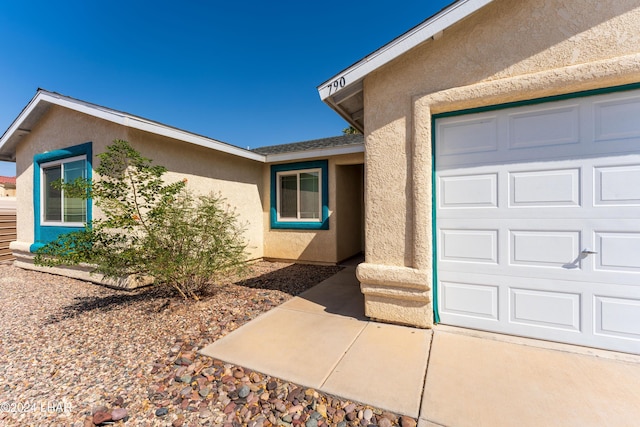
<point x="502" y="158"/>
<point x="496" y="187"/>
<point x="287" y="196"/>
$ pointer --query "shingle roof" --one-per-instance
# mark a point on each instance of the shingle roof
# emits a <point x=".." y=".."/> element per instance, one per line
<point x="331" y="142"/>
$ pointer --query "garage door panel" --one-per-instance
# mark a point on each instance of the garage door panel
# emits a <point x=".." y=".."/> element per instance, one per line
<point x="618" y="251"/>
<point x="617" y="185"/>
<point x="617" y="119"/>
<point x="545" y="248"/>
<point x="544" y="127"/>
<point x="556" y="310"/>
<point x="538" y="230"/>
<point x="469" y="191"/>
<point x="470" y="300"/>
<point x="617" y="317"/>
<point x="546" y="188"/>
<point x="469" y="136"/>
<point x="469" y="245"/>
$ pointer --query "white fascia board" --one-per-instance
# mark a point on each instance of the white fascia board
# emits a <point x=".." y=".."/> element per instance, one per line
<point x="128" y="121"/>
<point x="15" y="126"/>
<point x="141" y="124"/>
<point x="321" y="152"/>
<point x="428" y="29"/>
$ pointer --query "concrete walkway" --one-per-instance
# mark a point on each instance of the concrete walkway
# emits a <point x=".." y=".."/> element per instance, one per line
<point x="445" y="377"/>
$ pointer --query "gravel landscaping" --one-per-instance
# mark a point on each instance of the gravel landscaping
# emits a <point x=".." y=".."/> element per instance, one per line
<point x="76" y="354"/>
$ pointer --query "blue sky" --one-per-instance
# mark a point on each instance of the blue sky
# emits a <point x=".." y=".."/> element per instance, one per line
<point x="242" y="72"/>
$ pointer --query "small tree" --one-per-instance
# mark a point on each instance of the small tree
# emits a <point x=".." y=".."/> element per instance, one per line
<point x="351" y="131"/>
<point x="150" y="227"/>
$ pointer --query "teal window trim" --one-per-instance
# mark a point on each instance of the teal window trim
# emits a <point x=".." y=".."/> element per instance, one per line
<point x="47" y="233"/>
<point x="323" y="223"/>
<point x="572" y="95"/>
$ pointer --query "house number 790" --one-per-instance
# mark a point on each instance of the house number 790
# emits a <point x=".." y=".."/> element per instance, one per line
<point x="336" y="85"/>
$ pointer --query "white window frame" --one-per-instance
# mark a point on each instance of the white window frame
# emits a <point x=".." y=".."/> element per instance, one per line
<point x="297" y="172"/>
<point x="44" y="166"/>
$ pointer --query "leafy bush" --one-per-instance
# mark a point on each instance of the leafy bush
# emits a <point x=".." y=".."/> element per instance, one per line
<point x="150" y="228"/>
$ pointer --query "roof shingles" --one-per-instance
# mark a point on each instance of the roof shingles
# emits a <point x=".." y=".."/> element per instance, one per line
<point x="316" y="144"/>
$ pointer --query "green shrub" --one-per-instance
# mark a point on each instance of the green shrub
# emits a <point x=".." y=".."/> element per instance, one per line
<point x="150" y="227"/>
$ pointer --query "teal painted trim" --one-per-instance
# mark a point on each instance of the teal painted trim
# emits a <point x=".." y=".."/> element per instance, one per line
<point x="581" y="94"/>
<point x="44" y="234"/>
<point x="434" y="228"/>
<point x="300" y="225"/>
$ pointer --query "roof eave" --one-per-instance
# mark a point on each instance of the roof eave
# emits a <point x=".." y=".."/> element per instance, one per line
<point x="320" y="152"/>
<point x="332" y="92"/>
<point x="11" y="137"/>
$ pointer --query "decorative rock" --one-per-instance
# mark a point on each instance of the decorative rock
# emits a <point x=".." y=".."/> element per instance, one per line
<point x="296" y="408"/>
<point x="100" y="417"/>
<point x="272" y="385"/>
<point x="338" y="416"/>
<point x="99" y="409"/>
<point x="407" y="422"/>
<point x="322" y="409"/>
<point x="205" y="413"/>
<point x="352" y="416"/>
<point x="185" y="379"/>
<point x="280" y="407"/>
<point x="244" y="391"/>
<point x="204" y="392"/>
<point x="342" y="424"/>
<point x="231" y="407"/>
<point x="350" y="408"/>
<point x="185" y="391"/>
<point x="161" y="412"/>
<point x="178" y="422"/>
<point x="368" y="414"/>
<point x="388" y="415"/>
<point x="311" y="422"/>
<point x="118" y="414"/>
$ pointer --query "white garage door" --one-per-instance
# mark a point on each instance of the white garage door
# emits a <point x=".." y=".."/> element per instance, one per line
<point x="538" y="220"/>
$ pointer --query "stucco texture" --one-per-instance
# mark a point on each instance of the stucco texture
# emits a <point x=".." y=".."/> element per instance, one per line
<point x="238" y="180"/>
<point x="344" y="236"/>
<point x="509" y="50"/>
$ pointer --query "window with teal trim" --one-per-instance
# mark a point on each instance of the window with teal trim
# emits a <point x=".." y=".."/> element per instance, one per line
<point x="299" y="196"/>
<point x="56" y="213"/>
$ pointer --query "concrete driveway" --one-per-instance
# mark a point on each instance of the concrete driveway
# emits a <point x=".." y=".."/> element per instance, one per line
<point x="444" y="377"/>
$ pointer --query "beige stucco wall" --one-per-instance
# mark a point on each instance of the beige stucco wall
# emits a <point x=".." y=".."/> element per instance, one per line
<point x="238" y="179"/>
<point x="509" y="50"/>
<point x="319" y="246"/>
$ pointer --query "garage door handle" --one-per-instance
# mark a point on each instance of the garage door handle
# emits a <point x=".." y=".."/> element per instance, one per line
<point x="586" y="252"/>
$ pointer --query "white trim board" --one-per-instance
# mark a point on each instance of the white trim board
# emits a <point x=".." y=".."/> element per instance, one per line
<point x="430" y="28"/>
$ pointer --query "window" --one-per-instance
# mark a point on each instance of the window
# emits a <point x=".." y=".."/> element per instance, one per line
<point x="54" y="212"/>
<point x="299" y="195"/>
<point x="57" y="207"/>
